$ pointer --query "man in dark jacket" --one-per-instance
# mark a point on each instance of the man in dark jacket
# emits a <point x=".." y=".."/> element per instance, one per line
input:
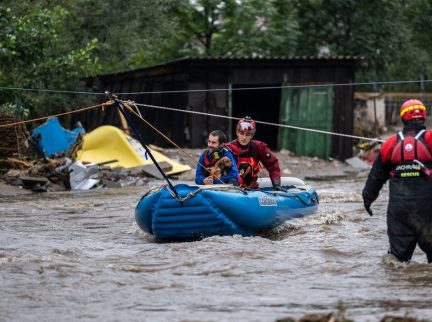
<point x="251" y="153"/>
<point x="404" y="160"/>
<point x="216" y="151"/>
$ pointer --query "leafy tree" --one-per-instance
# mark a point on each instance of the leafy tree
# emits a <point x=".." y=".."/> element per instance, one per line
<point x="353" y="28"/>
<point x="258" y="28"/>
<point x="236" y="28"/>
<point x="55" y="44"/>
<point x="415" y="61"/>
<point x="131" y="33"/>
<point x="33" y="55"/>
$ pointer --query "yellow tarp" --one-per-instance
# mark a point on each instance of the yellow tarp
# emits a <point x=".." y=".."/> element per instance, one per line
<point x="110" y="143"/>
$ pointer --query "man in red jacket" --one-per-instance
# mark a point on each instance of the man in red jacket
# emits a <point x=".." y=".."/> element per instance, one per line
<point x="405" y="160"/>
<point x="252" y="153"/>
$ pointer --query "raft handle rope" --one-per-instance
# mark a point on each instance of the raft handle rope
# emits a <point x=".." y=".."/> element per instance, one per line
<point x="214" y="187"/>
<point x="309" y="200"/>
<point x="287" y="193"/>
<point x="192" y="194"/>
<point x="153" y="190"/>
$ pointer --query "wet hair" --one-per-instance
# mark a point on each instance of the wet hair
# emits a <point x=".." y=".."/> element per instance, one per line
<point x="221" y="136"/>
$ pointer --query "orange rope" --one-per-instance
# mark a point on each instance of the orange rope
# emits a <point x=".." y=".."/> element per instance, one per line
<point x="182" y="151"/>
<point x="55" y="115"/>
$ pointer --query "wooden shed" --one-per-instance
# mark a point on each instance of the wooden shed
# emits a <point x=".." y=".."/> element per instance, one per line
<point x="298" y="91"/>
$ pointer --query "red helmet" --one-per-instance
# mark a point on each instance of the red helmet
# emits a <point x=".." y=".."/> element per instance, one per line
<point x="413" y="109"/>
<point x="246" y="124"/>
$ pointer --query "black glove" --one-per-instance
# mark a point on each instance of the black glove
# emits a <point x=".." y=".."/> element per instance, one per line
<point x="277" y="185"/>
<point x="368" y="198"/>
<point x="234" y="182"/>
<point x="367" y="205"/>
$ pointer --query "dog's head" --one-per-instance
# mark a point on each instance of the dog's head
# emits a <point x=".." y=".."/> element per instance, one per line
<point x="225" y="162"/>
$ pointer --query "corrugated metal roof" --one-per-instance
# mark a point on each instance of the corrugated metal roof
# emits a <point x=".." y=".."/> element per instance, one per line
<point x="239" y="58"/>
<point x="260" y="57"/>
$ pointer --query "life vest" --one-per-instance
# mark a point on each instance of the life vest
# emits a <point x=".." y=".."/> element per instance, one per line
<point x="216" y="156"/>
<point x="248" y="167"/>
<point x="406" y="150"/>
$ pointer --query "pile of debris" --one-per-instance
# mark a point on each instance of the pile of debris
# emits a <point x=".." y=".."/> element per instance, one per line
<point x="58" y="174"/>
<point x="14" y="138"/>
<point x="24" y="163"/>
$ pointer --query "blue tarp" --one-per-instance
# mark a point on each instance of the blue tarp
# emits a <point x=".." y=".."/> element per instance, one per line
<point x="51" y="138"/>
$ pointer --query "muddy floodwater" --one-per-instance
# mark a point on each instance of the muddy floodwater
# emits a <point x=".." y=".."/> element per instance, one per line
<point x="79" y="256"/>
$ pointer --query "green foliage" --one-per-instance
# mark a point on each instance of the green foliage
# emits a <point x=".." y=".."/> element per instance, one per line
<point x="49" y="44"/>
<point x="258" y="28"/>
<point x="131" y="33"/>
<point x="352" y="28"/>
<point x="15" y="110"/>
<point x="236" y="28"/>
<point x="415" y="59"/>
<point x="34" y="51"/>
<point x="391" y="35"/>
<point x="33" y="54"/>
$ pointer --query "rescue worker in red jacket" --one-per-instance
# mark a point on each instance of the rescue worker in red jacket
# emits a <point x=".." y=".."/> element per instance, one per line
<point x="404" y="160"/>
<point x="250" y="153"/>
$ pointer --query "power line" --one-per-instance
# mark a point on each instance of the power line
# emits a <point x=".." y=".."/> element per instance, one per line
<point x="273" y="87"/>
<point x="22" y="89"/>
<point x="214" y="89"/>
<point x="261" y="122"/>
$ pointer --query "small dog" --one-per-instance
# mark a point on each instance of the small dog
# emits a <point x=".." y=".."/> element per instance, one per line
<point x="220" y="168"/>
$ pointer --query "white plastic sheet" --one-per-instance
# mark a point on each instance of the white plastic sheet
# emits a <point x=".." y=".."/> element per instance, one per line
<point x="82" y="177"/>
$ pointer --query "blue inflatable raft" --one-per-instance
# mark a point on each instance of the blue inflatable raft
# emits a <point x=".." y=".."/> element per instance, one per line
<point x="203" y="211"/>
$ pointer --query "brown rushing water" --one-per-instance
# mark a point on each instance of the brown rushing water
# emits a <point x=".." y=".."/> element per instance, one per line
<point x="79" y="256"/>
